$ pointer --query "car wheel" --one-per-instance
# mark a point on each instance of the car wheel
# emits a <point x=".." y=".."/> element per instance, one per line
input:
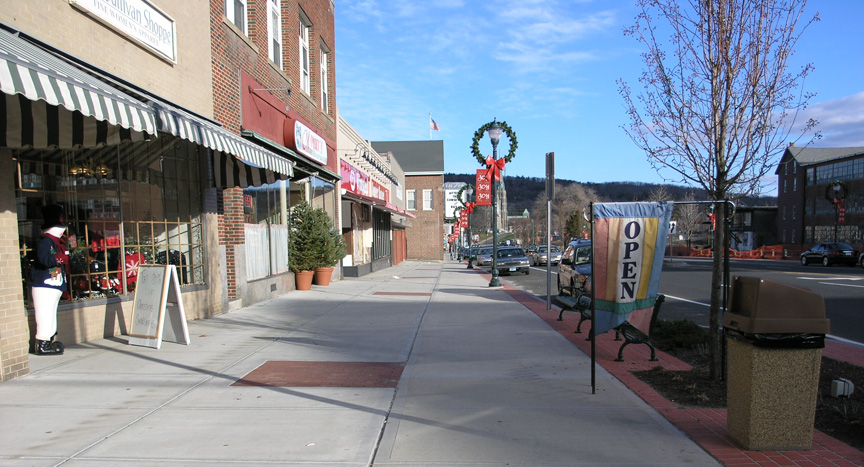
<point x="527" y="271"/>
<point x="803" y="260"/>
<point x="862" y="261"/>
<point x="825" y="261"/>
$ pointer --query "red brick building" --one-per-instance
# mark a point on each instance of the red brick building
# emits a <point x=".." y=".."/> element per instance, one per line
<point x="423" y="163"/>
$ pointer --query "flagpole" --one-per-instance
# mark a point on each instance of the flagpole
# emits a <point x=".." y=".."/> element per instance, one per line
<point x="429" y="124"/>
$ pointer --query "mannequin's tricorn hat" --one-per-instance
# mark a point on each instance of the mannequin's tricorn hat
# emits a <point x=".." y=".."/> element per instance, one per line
<point x="54" y="216"/>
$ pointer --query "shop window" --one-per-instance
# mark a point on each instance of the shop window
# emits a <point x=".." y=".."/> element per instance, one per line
<point x="265" y="212"/>
<point x="126" y="205"/>
<point x="235" y="11"/>
<point x="274" y="31"/>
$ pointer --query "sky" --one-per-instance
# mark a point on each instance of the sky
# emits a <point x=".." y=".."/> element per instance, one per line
<point x="549" y="69"/>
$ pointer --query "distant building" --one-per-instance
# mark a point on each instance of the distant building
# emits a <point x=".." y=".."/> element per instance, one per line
<point x="806" y="214"/>
<point x="754" y="227"/>
<point x="423" y="164"/>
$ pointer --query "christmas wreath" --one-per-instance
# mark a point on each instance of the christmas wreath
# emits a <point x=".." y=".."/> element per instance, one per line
<point x="475" y="144"/>
<point x="829" y="191"/>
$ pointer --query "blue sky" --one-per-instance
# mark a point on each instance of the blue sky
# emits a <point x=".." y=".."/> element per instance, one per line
<point x="549" y="69"/>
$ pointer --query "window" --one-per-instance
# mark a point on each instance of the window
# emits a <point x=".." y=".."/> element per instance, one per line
<point x="324" y="83"/>
<point x="266" y="230"/>
<point x="305" y="25"/>
<point x="793" y="212"/>
<point x="427" y="200"/>
<point x="235" y="11"/>
<point x="795" y="184"/>
<point x="122" y="211"/>
<point x="411" y="200"/>
<point x="274" y="32"/>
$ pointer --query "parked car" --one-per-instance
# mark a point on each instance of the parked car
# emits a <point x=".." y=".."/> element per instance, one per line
<point x="861" y="260"/>
<point x="513" y="259"/>
<point x="831" y="253"/>
<point x="484" y="256"/>
<point x="541" y="257"/>
<point x="574" y="270"/>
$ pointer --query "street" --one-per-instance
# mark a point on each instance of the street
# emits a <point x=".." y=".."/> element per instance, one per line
<point x="686" y="284"/>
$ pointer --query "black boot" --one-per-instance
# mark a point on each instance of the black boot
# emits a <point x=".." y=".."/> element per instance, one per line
<point x="57" y="344"/>
<point x="48" y="348"/>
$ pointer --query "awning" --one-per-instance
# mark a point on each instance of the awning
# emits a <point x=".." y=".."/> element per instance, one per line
<point x="197" y="130"/>
<point x="300" y="162"/>
<point x="45" y="79"/>
<point x="376" y="203"/>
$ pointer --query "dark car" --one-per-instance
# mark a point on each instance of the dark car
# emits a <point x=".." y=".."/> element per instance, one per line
<point x="861" y="260"/>
<point x="574" y="270"/>
<point x="512" y="259"/>
<point x="830" y="253"/>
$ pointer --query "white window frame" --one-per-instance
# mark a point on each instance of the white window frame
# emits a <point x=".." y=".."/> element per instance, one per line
<point x="427" y="200"/>
<point x="305" y="65"/>
<point x="324" y="82"/>
<point x="411" y="200"/>
<point x="274" y="31"/>
<point x="230" y="14"/>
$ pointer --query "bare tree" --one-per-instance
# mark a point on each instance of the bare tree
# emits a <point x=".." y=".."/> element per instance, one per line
<point x="720" y="104"/>
<point x="569" y="199"/>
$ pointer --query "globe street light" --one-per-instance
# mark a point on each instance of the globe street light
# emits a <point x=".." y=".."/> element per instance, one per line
<point x="494" y="132"/>
<point x="470" y="192"/>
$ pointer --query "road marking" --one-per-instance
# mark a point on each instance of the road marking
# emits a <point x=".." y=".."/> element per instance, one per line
<point x="688" y="301"/>
<point x="844" y="285"/>
<point x="832" y="278"/>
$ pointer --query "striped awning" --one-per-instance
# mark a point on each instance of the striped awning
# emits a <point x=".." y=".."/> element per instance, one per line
<point x="197" y="130"/>
<point x="40" y="76"/>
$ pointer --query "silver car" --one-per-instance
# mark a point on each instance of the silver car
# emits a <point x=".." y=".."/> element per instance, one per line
<point x="511" y="260"/>
<point x="484" y="256"/>
<point x="541" y="256"/>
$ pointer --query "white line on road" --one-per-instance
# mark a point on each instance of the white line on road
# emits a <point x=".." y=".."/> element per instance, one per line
<point x="843" y="285"/>
<point x="688" y="301"/>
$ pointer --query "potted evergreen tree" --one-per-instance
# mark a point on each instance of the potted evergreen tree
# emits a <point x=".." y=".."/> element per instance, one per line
<point x="314" y="244"/>
<point x="301" y="256"/>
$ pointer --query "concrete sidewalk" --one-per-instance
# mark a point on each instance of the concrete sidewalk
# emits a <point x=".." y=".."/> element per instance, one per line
<point x="419" y="364"/>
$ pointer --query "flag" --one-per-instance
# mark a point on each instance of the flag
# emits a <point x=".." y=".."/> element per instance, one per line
<point x="433" y="125"/>
<point x="629" y="241"/>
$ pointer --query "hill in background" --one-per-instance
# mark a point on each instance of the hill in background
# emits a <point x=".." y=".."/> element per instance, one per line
<point x="523" y="191"/>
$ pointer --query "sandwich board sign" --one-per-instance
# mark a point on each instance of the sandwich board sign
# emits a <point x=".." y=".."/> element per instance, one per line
<point x="157" y="311"/>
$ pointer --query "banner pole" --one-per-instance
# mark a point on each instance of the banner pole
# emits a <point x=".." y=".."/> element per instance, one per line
<point x="593" y="335"/>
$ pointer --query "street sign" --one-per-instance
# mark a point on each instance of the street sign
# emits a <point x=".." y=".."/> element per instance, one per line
<point x="673" y="227"/>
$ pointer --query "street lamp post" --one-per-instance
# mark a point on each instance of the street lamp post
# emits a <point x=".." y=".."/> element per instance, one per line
<point x="494" y="132"/>
<point x="470" y="192"/>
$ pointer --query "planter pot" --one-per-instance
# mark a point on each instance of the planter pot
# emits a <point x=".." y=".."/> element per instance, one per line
<point x="304" y="279"/>
<point x="322" y="275"/>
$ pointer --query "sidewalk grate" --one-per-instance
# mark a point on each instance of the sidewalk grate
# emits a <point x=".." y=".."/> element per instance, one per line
<point x="324" y="374"/>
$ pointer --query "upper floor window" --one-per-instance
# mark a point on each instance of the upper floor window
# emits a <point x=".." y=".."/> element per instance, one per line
<point x="235" y="11"/>
<point x="325" y="84"/>
<point x="274" y="31"/>
<point x="427" y="200"/>
<point x="305" y="26"/>
<point x="411" y="200"/>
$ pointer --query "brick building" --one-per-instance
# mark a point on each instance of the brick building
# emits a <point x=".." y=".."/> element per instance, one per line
<point x="423" y="163"/>
<point x="139" y="132"/>
<point x="805" y="180"/>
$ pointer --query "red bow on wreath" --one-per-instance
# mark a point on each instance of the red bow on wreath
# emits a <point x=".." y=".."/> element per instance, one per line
<point x="470" y="207"/>
<point x="494" y="168"/>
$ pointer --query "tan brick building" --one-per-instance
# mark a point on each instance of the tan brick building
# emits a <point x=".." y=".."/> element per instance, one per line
<point x="423" y="163"/>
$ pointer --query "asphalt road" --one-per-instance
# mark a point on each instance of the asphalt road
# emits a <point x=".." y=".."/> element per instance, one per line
<point x="686" y="284"/>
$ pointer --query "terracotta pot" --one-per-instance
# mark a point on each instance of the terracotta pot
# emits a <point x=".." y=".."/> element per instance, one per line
<point x="322" y="275"/>
<point x="304" y="279"/>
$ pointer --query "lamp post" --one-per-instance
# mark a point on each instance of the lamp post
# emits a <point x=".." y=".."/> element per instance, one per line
<point x="839" y="194"/>
<point x="470" y="192"/>
<point x="494" y="132"/>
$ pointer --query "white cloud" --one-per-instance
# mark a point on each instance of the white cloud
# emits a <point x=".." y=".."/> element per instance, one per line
<point x="841" y="121"/>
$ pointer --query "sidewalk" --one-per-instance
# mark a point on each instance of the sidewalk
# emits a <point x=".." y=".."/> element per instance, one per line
<point x="419" y="364"/>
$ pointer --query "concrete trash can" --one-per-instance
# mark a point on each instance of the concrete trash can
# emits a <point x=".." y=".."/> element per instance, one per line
<point x="775" y="335"/>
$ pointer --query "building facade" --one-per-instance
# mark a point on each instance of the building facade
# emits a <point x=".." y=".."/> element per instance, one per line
<point x="806" y="178"/>
<point x="423" y="163"/>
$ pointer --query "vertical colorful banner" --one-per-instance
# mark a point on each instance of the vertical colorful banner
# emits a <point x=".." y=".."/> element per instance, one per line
<point x="484" y="189"/>
<point x="629" y="241"/>
<point x="463" y="218"/>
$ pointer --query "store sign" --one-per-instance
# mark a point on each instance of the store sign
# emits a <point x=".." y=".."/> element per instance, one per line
<point x="353" y="179"/>
<point x="309" y="144"/>
<point x="137" y="20"/>
<point x="484" y="189"/>
<point x="379" y="192"/>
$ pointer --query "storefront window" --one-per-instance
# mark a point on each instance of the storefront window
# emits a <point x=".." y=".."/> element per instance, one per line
<point x="136" y="203"/>
<point x="265" y="209"/>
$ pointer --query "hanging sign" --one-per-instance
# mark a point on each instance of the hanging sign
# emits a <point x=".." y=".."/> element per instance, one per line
<point x="484" y="189"/>
<point x="136" y="19"/>
<point x="157" y="311"/>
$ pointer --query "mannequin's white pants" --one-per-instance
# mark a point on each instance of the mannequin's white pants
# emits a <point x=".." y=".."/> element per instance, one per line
<point x="45" y="301"/>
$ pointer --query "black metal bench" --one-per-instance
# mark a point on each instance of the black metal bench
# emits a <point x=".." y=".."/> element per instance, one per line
<point x="580" y="302"/>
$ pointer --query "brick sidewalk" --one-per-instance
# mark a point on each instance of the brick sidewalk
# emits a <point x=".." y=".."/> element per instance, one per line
<point x="705" y="426"/>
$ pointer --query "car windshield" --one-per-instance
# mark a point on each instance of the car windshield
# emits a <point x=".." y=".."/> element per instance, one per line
<point x="554" y="249"/>
<point x="510" y="253"/>
<point x="582" y="255"/>
<point x="486" y="251"/>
